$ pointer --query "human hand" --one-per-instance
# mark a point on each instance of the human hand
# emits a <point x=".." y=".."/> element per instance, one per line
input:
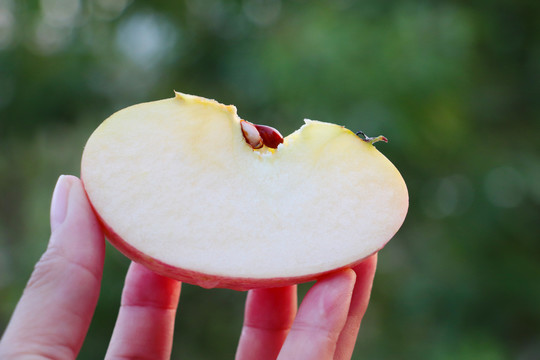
<point x="53" y="315"/>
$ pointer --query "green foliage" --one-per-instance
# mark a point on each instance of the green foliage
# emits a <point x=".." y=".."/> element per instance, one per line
<point x="453" y="85"/>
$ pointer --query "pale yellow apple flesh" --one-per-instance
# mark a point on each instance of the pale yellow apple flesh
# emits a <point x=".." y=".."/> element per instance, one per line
<point x="177" y="188"/>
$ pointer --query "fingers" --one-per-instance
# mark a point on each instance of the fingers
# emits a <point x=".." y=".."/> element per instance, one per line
<point x="53" y="315"/>
<point x="145" y="324"/>
<point x="268" y="317"/>
<point x="327" y="323"/>
<point x="365" y="272"/>
<point x="320" y="319"/>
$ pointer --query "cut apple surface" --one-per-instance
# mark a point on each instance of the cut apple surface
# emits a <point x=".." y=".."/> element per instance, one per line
<point x="180" y="188"/>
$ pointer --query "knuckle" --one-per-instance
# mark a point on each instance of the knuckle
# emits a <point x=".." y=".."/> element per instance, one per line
<point x="45" y="270"/>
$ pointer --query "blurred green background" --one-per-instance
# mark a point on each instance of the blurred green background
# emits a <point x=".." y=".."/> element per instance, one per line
<point x="454" y="85"/>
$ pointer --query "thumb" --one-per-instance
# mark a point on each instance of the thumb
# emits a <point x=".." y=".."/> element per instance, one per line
<point x="53" y="315"/>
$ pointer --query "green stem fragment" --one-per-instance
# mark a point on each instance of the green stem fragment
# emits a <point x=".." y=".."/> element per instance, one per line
<point x="371" y="140"/>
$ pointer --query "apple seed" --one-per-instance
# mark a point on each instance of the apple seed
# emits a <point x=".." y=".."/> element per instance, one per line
<point x="258" y="135"/>
<point x="270" y="136"/>
<point x="251" y="134"/>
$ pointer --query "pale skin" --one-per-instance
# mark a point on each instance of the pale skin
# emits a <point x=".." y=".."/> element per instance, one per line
<point x="53" y="315"/>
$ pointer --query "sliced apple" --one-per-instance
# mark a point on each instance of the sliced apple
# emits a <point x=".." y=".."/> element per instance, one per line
<point x="179" y="188"/>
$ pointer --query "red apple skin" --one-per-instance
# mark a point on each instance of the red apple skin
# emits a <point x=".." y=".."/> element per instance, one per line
<point x="206" y="281"/>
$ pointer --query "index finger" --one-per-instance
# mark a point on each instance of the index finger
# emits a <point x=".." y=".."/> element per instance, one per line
<point x="145" y="324"/>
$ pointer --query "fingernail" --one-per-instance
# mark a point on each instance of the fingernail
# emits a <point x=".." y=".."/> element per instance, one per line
<point x="59" y="203"/>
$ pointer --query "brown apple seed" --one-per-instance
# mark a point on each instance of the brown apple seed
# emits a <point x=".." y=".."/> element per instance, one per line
<point x="270" y="136"/>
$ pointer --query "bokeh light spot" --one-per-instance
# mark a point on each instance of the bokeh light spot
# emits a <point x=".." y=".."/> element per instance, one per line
<point x="49" y="39"/>
<point x="451" y="195"/>
<point x="7" y="27"/>
<point x="60" y="12"/>
<point x="262" y="12"/>
<point x="146" y="39"/>
<point x="109" y="9"/>
<point x="504" y="187"/>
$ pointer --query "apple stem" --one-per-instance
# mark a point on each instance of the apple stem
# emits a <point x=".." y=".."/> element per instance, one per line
<point x="371" y="140"/>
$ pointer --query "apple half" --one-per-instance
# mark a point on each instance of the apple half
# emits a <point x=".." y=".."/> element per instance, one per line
<point x="179" y="186"/>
